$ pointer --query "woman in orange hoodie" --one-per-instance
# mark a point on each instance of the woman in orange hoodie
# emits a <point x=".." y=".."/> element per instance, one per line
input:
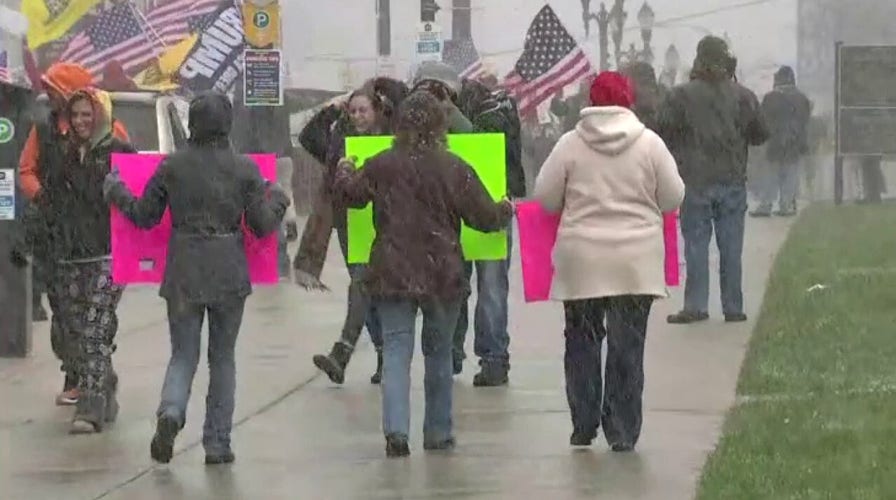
<point x="43" y="152"/>
<point x="80" y="235"/>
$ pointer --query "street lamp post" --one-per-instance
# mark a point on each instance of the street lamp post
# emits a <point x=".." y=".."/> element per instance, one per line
<point x="618" y="17"/>
<point x="646" y="19"/>
<point x="602" y="17"/>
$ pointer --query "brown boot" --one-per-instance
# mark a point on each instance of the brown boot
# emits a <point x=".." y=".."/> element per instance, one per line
<point x="334" y="364"/>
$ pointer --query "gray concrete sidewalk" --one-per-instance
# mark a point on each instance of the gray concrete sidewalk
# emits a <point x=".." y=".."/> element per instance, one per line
<point x="301" y="437"/>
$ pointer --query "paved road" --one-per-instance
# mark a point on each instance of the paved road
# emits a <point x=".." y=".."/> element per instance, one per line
<point x="300" y="437"/>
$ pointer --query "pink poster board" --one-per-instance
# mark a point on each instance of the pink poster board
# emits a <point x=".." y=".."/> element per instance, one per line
<point x="138" y="256"/>
<point x="538" y="233"/>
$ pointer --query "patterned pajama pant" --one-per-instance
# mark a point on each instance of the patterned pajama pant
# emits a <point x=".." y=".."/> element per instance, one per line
<point x="87" y="300"/>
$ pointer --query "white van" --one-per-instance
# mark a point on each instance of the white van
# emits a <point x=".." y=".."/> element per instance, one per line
<point x="156" y="123"/>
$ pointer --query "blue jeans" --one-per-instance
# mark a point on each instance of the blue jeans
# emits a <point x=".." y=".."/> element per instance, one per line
<point x="185" y="325"/>
<point x="781" y="181"/>
<point x="492" y="340"/>
<point x="399" y="318"/>
<point x="720" y="208"/>
<point x="361" y="312"/>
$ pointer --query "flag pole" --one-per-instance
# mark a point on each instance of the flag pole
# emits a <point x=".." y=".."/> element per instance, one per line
<point x="150" y="27"/>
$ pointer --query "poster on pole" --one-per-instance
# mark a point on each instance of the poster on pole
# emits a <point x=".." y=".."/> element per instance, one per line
<point x="263" y="78"/>
<point x="7" y="194"/>
<point x="429" y="46"/>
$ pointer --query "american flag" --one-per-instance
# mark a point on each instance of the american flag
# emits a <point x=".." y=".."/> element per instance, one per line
<point x="4" y="67"/>
<point x="464" y="58"/>
<point x="551" y="60"/>
<point x="121" y="34"/>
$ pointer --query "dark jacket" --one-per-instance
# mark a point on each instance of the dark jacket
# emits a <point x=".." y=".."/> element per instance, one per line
<point x="498" y="113"/>
<point x="209" y="189"/>
<point x="418" y="205"/>
<point x="328" y="212"/>
<point x="787" y="111"/>
<point x="708" y="126"/>
<point x="568" y="110"/>
<point x="316" y="135"/>
<point x="73" y="194"/>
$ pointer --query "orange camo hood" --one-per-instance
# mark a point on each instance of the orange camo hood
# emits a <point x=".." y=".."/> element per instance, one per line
<point x="66" y="78"/>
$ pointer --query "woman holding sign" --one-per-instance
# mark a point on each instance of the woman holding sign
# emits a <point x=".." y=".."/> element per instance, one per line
<point x="210" y="191"/>
<point x="611" y="179"/>
<point x="79" y="242"/>
<point x="370" y="112"/>
<point x="420" y="193"/>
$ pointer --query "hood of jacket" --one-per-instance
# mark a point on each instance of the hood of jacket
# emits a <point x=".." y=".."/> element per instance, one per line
<point x="66" y="78"/>
<point x="211" y="118"/>
<point x="102" y="112"/>
<point x="609" y="130"/>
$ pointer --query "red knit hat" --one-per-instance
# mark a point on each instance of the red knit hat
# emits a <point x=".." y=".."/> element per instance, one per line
<point x="611" y="88"/>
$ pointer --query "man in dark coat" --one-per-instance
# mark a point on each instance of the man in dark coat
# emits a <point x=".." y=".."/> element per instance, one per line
<point x="491" y="112"/>
<point x="708" y="125"/>
<point x="786" y="111"/>
<point x="568" y="109"/>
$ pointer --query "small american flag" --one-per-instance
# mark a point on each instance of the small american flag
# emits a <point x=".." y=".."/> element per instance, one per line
<point x="121" y="34"/>
<point x="4" y="67"/>
<point x="551" y="60"/>
<point x="464" y="58"/>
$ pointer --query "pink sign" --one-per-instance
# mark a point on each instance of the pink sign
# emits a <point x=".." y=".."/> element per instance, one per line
<point x="138" y="256"/>
<point x="538" y="233"/>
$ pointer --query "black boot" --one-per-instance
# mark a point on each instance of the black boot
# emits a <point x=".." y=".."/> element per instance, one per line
<point x="377" y="377"/>
<point x="491" y="375"/>
<point x="334" y="363"/>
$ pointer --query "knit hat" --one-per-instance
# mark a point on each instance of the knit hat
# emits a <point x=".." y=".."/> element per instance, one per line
<point x="439" y="72"/>
<point x="66" y="78"/>
<point x="611" y="88"/>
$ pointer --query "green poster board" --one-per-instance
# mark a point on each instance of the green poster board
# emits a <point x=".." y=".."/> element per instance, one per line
<point x="484" y="152"/>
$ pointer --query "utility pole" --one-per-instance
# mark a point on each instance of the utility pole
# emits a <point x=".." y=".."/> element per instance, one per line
<point x="428" y="9"/>
<point x="461" y="20"/>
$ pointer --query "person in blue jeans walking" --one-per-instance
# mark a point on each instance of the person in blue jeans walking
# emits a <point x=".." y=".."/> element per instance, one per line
<point x="421" y="193"/>
<point x="708" y="124"/>
<point x="787" y="112"/>
<point x="491" y="112"/>
<point x="209" y="190"/>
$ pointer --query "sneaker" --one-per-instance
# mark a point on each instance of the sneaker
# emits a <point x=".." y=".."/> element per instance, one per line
<point x="397" y="446"/>
<point x="220" y="458"/>
<point x="686" y="317"/>
<point x="162" y="447"/>
<point x="786" y="213"/>
<point x="761" y="213"/>
<point x="68" y="397"/>
<point x="735" y="318"/>
<point x="81" y="426"/>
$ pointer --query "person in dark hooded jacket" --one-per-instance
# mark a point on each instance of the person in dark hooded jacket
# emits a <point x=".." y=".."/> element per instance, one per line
<point x="491" y="112"/>
<point x="210" y="190"/>
<point x="787" y="112"/>
<point x="647" y="92"/>
<point x="708" y="125"/>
